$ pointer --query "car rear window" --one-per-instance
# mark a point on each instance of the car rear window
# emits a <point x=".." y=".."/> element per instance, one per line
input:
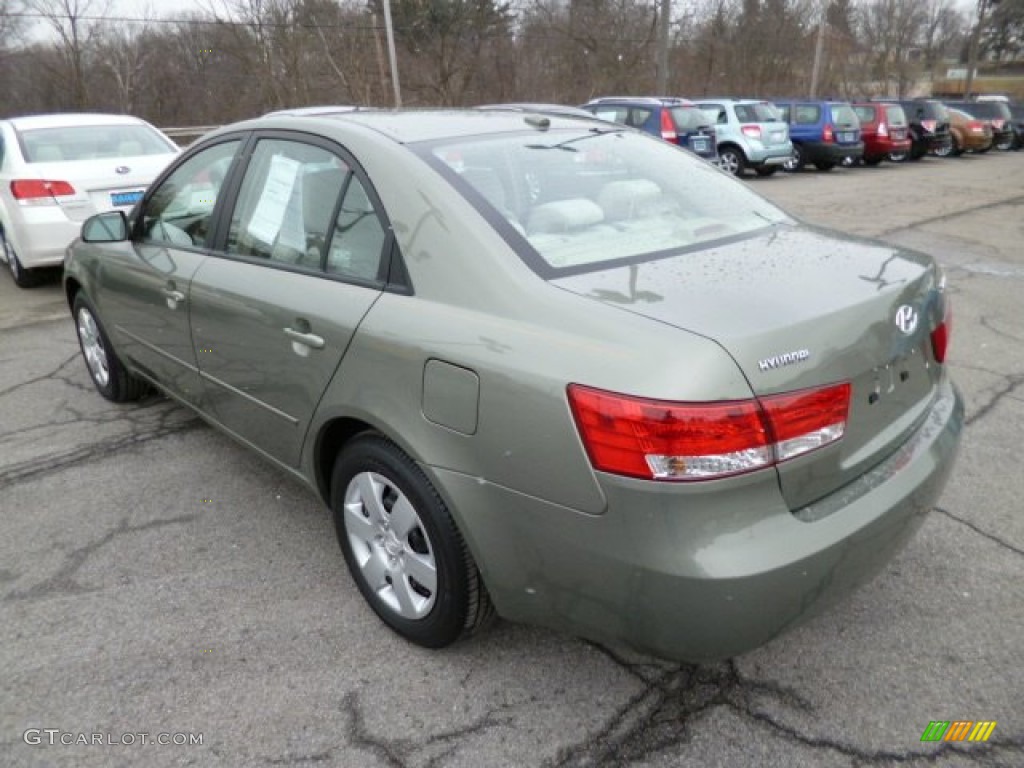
<point x="91" y="142"/>
<point x="929" y="110"/>
<point x="757" y="113"/>
<point x="895" y="115"/>
<point x="689" y="118"/>
<point x="843" y="114"/>
<point x="573" y="201"/>
<point x="988" y="109"/>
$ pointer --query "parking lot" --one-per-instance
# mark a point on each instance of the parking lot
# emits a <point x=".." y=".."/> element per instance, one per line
<point x="159" y="580"/>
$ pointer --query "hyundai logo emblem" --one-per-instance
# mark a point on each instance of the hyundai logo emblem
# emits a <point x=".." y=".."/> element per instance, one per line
<point x="122" y="169"/>
<point x="906" y="319"/>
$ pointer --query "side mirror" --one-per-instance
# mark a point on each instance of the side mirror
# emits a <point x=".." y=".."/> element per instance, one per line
<point x="109" y="227"/>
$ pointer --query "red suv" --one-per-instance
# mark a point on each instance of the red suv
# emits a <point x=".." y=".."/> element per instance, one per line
<point x="884" y="130"/>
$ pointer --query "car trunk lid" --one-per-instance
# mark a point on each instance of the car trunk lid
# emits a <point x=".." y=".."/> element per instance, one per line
<point x="800" y="308"/>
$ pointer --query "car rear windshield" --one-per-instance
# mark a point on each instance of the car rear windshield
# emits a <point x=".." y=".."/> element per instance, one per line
<point x="843" y="114"/>
<point x="988" y="109"/>
<point x="928" y="110"/>
<point x="576" y="200"/>
<point x="895" y="115"/>
<point x="91" y="142"/>
<point x="757" y="113"/>
<point x="689" y="118"/>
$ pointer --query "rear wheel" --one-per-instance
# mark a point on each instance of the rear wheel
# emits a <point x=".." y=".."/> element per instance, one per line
<point x="1003" y="146"/>
<point x="23" y="278"/>
<point x="731" y="160"/>
<point x="766" y="170"/>
<point x="402" y="547"/>
<point x="947" y="150"/>
<point x="109" y="375"/>
<point x="897" y="157"/>
<point x="824" y="166"/>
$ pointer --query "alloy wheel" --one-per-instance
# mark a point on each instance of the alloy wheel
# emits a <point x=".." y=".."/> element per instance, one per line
<point x="390" y="545"/>
<point x="92" y="347"/>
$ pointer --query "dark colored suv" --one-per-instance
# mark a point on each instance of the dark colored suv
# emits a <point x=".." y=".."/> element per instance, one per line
<point x="995" y="113"/>
<point x="884" y="129"/>
<point x="929" y="126"/>
<point x="823" y="133"/>
<point x="675" y="120"/>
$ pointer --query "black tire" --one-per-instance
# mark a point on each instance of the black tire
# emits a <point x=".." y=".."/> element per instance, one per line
<point x="23" y="278"/>
<point x="872" y="161"/>
<point x="797" y="162"/>
<point x="897" y="157"/>
<point x="458" y="605"/>
<point x="916" y="154"/>
<point x="766" y="170"/>
<point x="955" y="149"/>
<point x="824" y="166"/>
<point x="732" y="160"/>
<point x="118" y="385"/>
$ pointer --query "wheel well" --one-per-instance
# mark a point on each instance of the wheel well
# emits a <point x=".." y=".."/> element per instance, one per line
<point x="330" y="441"/>
<point x="730" y="145"/>
<point x="71" y="289"/>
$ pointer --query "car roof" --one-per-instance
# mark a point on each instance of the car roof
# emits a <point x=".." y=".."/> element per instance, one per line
<point x="546" y="109"/>
<point x="69" y="119"/>
<point x="325" y="109"/>
<point x="657" y="101"/>
<point x="407" y="126"/>
<point x="705" y="100"/>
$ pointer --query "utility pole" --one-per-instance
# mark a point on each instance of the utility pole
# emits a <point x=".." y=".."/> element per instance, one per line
<point x="663" y="37"/>
<point x="392" y="57"/>
<point x="972" y="46"/>
<point x="819" y="49"/>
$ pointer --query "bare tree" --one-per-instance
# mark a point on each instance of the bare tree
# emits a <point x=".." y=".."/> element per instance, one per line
<point x="75" y="24"/>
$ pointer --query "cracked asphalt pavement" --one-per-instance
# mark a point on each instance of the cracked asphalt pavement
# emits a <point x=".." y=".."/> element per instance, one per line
<point x="156" y="578"/>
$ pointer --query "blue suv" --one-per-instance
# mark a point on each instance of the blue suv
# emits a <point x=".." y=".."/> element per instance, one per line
<point x="675" y="120"/>
<point x="824" y="133"/>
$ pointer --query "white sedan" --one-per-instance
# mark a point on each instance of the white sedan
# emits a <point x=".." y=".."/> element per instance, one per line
<point x="57" y="170"/>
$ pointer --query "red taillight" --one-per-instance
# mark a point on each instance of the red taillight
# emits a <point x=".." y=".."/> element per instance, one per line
<point x="660" y="440"/>
<point x="753" y="131"/>
<point x="929" y="125"/>
<point x="33" y="189"/>
<point x="827" y="134"/>
<point x="668" y="128"/>
<point x="883" y="130"/>
<point x="976" y="126"/>
<point x="941" y="334"/>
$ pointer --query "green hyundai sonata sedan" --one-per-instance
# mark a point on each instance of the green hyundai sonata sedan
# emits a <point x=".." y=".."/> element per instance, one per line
<point x="537" y="366"/>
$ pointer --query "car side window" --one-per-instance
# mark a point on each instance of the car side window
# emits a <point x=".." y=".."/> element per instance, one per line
<point x="179" y="210"/>
<point x="783" y="111"/>
<point x="612" y="114"/>
<point x="357" y="241"/>
<point x="806" y="114"/>
<point x="638" y="116"/>
<point x="286" y="203"/>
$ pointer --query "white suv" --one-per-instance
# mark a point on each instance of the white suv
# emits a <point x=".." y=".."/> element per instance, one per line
<point x="751" y="134"/>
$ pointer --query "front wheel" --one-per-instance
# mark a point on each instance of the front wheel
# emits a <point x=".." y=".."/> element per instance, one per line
<point x="402" y="547"/>
<point x="108" y="374"/>
<point x="731" y="160"/>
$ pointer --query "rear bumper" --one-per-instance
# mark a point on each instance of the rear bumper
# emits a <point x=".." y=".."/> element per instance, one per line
<point x="821" y="152"/>
<point x="779" y="154"/>
<point x="705" y="571"/>
<point x="883" y="147"/>
<point x="976" y="143"/>
<point x="40" y="234"/>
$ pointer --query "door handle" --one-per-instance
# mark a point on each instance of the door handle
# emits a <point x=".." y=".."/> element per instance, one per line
<point x="308" y="339"/>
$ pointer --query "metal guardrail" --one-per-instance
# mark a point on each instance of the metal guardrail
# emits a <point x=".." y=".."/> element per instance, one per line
<point x="183" y="135"/>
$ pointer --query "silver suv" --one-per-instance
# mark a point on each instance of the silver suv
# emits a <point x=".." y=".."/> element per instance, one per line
<point x="751" y="134"/>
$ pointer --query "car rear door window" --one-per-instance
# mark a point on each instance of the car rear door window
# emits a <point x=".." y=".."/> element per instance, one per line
<point x="896" y="116"/>
<point x="867" y="114"/>
<point x="179" y="209"/>
<point x="843" y="114"/>
<point x="286" y="203"/>
<point x="756" y="113"/>
<point x="357" y="240"/>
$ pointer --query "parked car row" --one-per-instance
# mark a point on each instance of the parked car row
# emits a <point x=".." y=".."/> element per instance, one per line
<point x="794" y="133"/>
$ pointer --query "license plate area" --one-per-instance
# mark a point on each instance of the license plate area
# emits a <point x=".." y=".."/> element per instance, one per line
<point x="846" y="136"/>
<point x="699" y="145"/>
<point x="123" y="199"/>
